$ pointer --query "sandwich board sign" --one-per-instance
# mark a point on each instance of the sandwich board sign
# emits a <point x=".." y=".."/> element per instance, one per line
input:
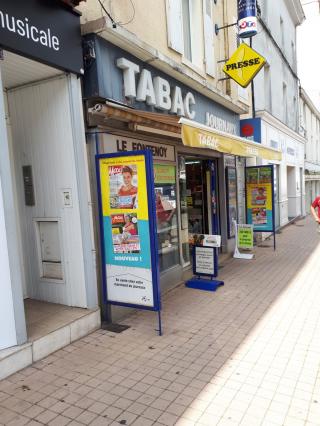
<point x="244" y="65"/>
<point x="244" y="240"/>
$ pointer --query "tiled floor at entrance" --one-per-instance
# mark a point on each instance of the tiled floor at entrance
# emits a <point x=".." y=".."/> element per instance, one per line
<point x="49" y="327"/>
<point x="43" y="318"/>
<point x="246" y="355"/>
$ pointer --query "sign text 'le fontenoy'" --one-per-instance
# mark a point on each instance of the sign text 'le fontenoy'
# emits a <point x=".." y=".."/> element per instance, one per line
<point x="155" y="91"/>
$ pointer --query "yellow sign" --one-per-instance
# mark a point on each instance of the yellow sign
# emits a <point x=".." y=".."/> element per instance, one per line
<point x="244" y="65"/>
<point x="197" y="137"/>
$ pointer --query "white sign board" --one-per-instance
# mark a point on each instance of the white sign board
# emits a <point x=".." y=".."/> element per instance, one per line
<point x="204" y="261"/>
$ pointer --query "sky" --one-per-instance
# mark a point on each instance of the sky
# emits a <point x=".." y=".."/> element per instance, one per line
<point x="308" y="51"/>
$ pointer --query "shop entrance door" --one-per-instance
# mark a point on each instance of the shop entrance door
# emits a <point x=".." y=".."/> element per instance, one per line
<point x="198" y="201"/>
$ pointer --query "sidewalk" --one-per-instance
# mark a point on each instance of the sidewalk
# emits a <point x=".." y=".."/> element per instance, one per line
<point x="248" y="354"/>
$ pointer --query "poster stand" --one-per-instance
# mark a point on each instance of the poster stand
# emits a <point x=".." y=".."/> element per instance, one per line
<point x="128" y="229"/>
<point x="237" y="254"/>
<point x="261" y="178"/>
<point x="205" y="269"/>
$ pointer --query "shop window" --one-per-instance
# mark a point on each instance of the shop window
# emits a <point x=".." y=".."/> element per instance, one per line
<point x="184" y="198"/>
<point x="166" y="210"/>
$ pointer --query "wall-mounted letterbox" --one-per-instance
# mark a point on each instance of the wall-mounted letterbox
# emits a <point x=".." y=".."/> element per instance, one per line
<point x="49" y="249"/>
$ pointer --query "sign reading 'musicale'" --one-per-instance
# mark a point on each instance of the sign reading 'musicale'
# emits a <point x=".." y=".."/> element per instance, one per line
<point x="42" y="30"/>
<point x="24" y="28"/>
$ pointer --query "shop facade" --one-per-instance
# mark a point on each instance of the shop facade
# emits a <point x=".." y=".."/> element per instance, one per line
<point x="289" y="188"/>
<point x="47" y="253"/>
<point x="199" y="189"/>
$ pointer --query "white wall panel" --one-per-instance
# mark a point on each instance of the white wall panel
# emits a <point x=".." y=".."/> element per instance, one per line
<point x="43" y="138"/>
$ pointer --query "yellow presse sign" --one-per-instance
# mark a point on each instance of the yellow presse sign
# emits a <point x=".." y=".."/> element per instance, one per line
<point x="244" y="65"/>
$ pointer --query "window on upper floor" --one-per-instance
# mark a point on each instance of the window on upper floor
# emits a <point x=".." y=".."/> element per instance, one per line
<point x="186" y="25"/>
<point x="190" y="30"/>
<point x="293" y="53"/>
<point x="285" y="103"/>
<point x="294" y="115"/>
<point x="267" y="89"/>
<point x="282" y="32"/>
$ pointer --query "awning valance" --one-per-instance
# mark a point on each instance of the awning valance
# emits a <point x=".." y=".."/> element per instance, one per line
<point x="199" y="136"/>
<point x="193" y="134"/>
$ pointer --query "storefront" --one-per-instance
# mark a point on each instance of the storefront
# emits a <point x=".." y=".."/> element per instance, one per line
<point x="289" y="172"/>
<point x="132" y="105"/>
<point x="46" y="254"/>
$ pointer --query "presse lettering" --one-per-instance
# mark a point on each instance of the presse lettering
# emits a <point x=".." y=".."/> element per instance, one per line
<point x="243" y="64"/>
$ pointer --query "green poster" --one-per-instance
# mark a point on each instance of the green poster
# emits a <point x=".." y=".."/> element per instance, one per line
<point x="245" y="237"/>
<point x="164" y="174"/>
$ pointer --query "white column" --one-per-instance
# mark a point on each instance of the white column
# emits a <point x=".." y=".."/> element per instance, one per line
<point x="8" y="336"/>
<point x="12" y="316"/>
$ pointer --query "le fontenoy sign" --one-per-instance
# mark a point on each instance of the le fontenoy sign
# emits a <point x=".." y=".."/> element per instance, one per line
<point x="113" y="143"/>
<point x="43" y="30"/>
<point x="244" y="65"/>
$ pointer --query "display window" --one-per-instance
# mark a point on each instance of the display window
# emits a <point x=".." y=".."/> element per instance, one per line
<point x="166" y="211"/>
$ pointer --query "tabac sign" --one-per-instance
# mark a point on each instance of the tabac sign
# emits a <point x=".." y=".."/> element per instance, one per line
<point x="244" y="65"/>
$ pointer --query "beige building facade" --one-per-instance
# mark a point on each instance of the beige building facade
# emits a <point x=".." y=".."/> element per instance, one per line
<point x="177" y="37"/>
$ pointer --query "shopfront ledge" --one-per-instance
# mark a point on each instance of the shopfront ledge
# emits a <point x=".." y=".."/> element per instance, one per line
<point x="47" y="333"/>
<point x="192" y="133"/>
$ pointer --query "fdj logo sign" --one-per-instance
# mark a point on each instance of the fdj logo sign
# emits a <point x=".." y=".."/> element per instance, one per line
<point x="247" y="21"/>
<point x="247" y="24"/>
<point x="244" y="65"/>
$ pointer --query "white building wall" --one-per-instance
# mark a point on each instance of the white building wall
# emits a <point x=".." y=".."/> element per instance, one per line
<point x="43" y="138"/>
<point x="277" y="101"/>
<point x="7" y="333"/>
<point x="291" y="187"/>
<point x="310" y="127"/>
<point x="270" y="82"/>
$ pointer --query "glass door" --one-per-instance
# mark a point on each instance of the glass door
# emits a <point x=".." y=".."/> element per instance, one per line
<point x="198" y="202"/>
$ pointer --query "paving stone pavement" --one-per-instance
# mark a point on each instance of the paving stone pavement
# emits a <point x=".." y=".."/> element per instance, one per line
<point x="246" y="355"/>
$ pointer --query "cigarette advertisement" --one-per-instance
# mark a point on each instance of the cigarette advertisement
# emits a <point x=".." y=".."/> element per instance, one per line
<point x="259" y="198"/>
<point x="127" y="246"/>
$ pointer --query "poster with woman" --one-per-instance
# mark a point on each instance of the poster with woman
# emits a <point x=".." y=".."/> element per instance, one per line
<point x="127" y="218"/>
<point x="123" y="186"/>
<point x="125" y="235"/>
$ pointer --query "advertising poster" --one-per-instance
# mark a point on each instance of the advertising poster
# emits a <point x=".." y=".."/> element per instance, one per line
<point x="231" y="183"/>
<point x="259" y="198"/>
<point x="204" y="261"/>
<point x="125" y="224"/>
<point x="164" y="174"/>
<point x="245" y="236"/>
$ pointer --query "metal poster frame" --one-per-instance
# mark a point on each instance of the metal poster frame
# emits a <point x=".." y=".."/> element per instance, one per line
<point x="215" y="262"/>
<point x="152" y="232"/>
<point x="273" y="230"/>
